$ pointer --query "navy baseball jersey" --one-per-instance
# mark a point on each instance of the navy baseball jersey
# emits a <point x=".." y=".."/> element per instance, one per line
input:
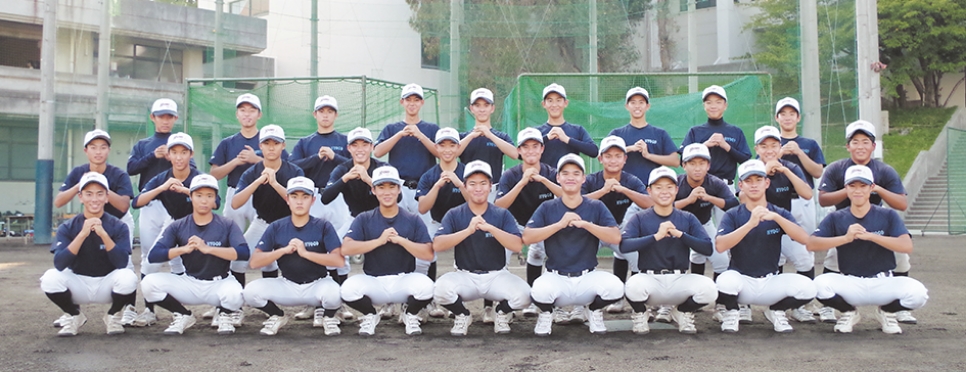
<point x="306" y="155"/>
<point x="572" y="249"/>
<point x="724" y="164"/>
<point x="811" y="148"/>
<point x="177" y="204"/>
<point x="861" y="257"/>
<point x="118" y="179"/>
<point x="714" y="186"/>
<point x="885" y="176"/>
<point x="268" y="204"/>
<point x="220" y="233"/>
<point x="580" y="143"/>
<point x="409" y="156"/>
<point x="780" y="190"/>
<point x="229" y="148"/>
<point x="669" y="253"/>
<point x="91" y="259"/>
<point x="657" y="140"/>
<point x="389" y="258"/>
<point x="317" y="235"/>
<point x="532" y="195"/>
<point x="357" y="194"/>
<point x="142" y="160"/>
<point x="756" y="255"/>
<point x="448" y="197"/>
<point x="617" y="203"/>
<point x="481" y="148"/>
<point x="479" y="251"/>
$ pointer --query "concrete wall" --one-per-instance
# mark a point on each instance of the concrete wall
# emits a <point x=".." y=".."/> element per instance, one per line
<point x="928" y="163"/>
<point x="739" y="42"/>
<point x="947" y="84"/>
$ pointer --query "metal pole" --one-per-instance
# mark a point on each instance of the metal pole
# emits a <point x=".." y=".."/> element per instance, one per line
<point x="103" y="65"/>
<point x="592" y="54"/>
<point x="43" y="203"/>
<point x="810" y="79"/>
<point x="314" y="53"/>
<point x="219" y="49"/>
<point x="363" y="124"/>
<point x="692" y="48"/>
<point x="456" y="19"/>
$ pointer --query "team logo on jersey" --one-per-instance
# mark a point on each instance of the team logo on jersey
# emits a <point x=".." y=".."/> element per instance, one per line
<point x="456" y="190"/>
<point x="213" y="244"/>
<point x="782" y="189"/>
<point x="548" y="195"/>
<point x="880" y="232"/>
<point x="311" y="244"/>
<point x="102" y="247"/>
<point x="488" y="235"/>
<point x="337" y="148"/>
<point x="650" y="141"/>
<point x="623" y="201"/>
<point x="490" y="144"/>
<point x="774" y="231"/>
<point x="704" y="204"/>
<point x="730" y="139"/>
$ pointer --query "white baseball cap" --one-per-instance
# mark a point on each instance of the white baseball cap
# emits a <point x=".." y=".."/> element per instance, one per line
<point x="860" y="126"/>
<point x="571" y="159"/>
<point x="483" y="93"/>
<point x="662" y="172"/>
<point x="714" y="89"/>
<point x="529" y="134"/>
<point x="477" y="166"/>
<point x="249" y="99"/>
<point x="182" y="139"/>
<point x="94" y="177"/>
<point x="412" y="89"/>
<point x="695" y="150"/>
<point x="326" y="101"/>
<point x="95" y="134"/>
<point x="637" y="91"/>
<point x="554" y="88"/>
<point x="750" y="168"/>
<point x="767" y="132"/>
<point x="203" y="180"/>
<point x="447" y="134"/>
<point x="164" y="106"/>
<point x="612" y="141"/>
<point x="302" y="184"/>
<point x="787" y="102"/>
<point x="271" y="131"/>
<point x="386" y="173"/>
<point x="859" y="173"/>
<point x="359" y="133"/>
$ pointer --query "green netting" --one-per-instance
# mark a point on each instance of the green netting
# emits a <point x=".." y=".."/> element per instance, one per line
<point x="956" y="180"/>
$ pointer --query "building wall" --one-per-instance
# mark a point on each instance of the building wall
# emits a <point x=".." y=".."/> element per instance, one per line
<point x="958" y="97"/>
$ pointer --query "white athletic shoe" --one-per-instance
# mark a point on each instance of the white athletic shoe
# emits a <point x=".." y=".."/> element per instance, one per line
<point x="685" y="321"/>
<point x="271" y="326"/>
<point x="779" y="320"/>
<point x="827" y="315"/>
<point x="318" y="318"/>
<point x="596" y="321"/>
<point x="639" y="321"/>
<point x="179" y="323"/>
<point x="147" y="318"/>
<point x="803" y="315"/>
<point x="744" y="314"/>
<point x="544" y="324"/>
<point x="113" y="324"/>
<point x="306" y="313"/>
<point x="501" y="322"/>
<point x="663" y="314"/>
<point x="560" y="316"/>
<point x="237" y="317"/>
<point x="578" y="315"/>
<point x="367" y="324"/>
<point x="531" y="311"/>
<point x="437" y="311"/>
<point x="62" y="320"/>
<point x="890" y="325"/>
<point x="225" y="323"/>
<point x="719" y="311"/>
<point x="905" y="317"/>
<point x="128" y="315"/>
<point x="412" y="325"/>
<point x="461" y="324"/>
<point x="729" y="321"/>
<point x="72" y="325"/>
<point x="345" y="314"/>
<point x="489" y="314"/>
<point x="616" y="308"/>
<point x="331" y="326"/>
<point x="846" y="321"/>
<point x="211" y="313"/>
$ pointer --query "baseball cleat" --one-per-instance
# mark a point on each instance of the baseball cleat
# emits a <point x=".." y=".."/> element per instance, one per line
<point x="846" y="321"/>
<point x="128" y="315"/>
<point x="489" y="314"/>
<point x="62" y="320"/>
<point x="271" y="326"/>
<point x="180" y="323"/>
<point x="560" y="316"/>
<point x="616" y="308"/>
<point x="461" y="324"/>
<point x="225" y="323"/>
<point x="72" y="325"/>
<point x="827" y="314"/>
<point x="578" y="315"/>
<point x="306" y="313"/>
<point x="531" y="311"/>
<point x="779" y="320"/>
<point x="237" y="317"/>
<point x="544" y="324"/>
<point x="729" y="321"/>
<point x="596" y="321"/>
<point x="890" y="325"/>
<point x="719" y="311"/>
<point x="331" y="326"/>
<point x="412" y="324"/>
<point x="318" y="318"/>
<point x="147" y="318"/>
<point x="367" y="324"/>
<point x="685" y="321"/>
<point x="663" y="314"/>
<point x="639" y="322"/>
<point x="113" y="323"/>
<point x="905" y="317"/>
<point x="744" y="314"/>
<point x="803" y="315"/>
<point x="211" y="313"/>
<point x="501" y="323"/>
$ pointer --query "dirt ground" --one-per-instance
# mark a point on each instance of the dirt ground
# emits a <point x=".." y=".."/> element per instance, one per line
<point x="29" y="343"/>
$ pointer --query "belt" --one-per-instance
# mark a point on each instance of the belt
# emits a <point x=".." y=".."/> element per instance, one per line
<point x="411" y="184"/>
<point x="223" y="276"/>
<point x="571" y="274"/>
<point x="479" y="272"/>
<point x="763" y="276"/>
<point x="884" y="274"/>
<point x="665" y="271"/>
<point x="730" y="182"/>
<point x="310" y="281"/>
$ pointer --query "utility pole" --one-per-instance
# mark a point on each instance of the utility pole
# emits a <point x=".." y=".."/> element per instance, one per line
<point x="592" y="53"/>
<point x="103" y="65"/>
<point x="314" y="52"/>
<point x="43" y="189"/>
<point x="870" y="90"/>
<point x="219" y="50"/>
<point x="455" y="20"/>
<point x="692" y="47"/>
<point x="810" y="84"/>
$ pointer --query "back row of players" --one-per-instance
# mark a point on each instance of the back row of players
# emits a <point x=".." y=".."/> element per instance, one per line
<point x="550" y="205"/>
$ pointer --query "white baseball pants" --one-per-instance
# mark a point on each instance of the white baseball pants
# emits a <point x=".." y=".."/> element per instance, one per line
<point x="494" y="286"/>
<point x="387" y="289"/>
<point x="765" y="291"/>
<point x="252" y="236"/>
<point x="670" y="289"/>
<point x="89" y="289"/>
<point x="552" y="288"/>
<point x="878" y="291"/>
<point x="283" y="292"/>
<point x="225" y="292"/>
<point x="719" y="260"/>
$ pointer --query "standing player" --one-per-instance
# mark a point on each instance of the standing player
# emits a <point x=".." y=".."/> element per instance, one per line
<point x="391" y="240"/>
<point x="441" y="187"/>
<point x="481" y="234"/>
<point x="654" y="144"/>
<point x="483" y="142"/>
<point x="804" y="152"/>
<point x="303" y="246"/>
<point x="752" y="233"/>
<point x="572" y="228"/>
<point x="725" y="142"/>
<point x="561" y="137"/>
<point x="664" y="236"/>
<point x="353" y="178"/>
<point x="91" y="255"/>
<point x="207" y="243"/>
<point x="867" y="237"/>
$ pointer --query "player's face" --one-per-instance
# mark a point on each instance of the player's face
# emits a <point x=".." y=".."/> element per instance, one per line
<point x="300" y="203"/>
<point x="697" y="169"/>
<point x="613" y="160"/>
<point x="271" y="149"/>
<point x="93" y="197"/>
<point x="861" y="148"/>
<point x="247" y="115"/>
<point x="768" y="149"/>
<point x="858" y="193"/>
<point x="555" y="105"/>
<point x="715" y="106"/>
<point x="387" y="193"/>
<point x="360" y="151"/>
<point x="530" y="151"/>
<point x="203" y="200"/>
<point x="482" y="110"/>
<point x="788" y="119"/>
<point x="163" y="123"/>
<point x="447" y="150"/>
<point x="412" y="104"/>
<point x="180" y="157"/>
<point x="570" y="178"/>
<point x="663" y="191"/>
<point x="325" y="117"/>
<point x="637" y="106"/>
<point x="97" y="151"/>
<point x="754" y="187"/>
<point x="478" y="186"/>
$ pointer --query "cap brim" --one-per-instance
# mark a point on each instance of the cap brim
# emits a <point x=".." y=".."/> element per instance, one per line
<point x="646" y="98"/>
<point x="163" y="112"/>
<point x="525" y="139"/>
<point x="276" y="138"/>
<point x="319" y="107"/>
<point x="767" y="137"/>
<point x="386" y="180"/>
<point x="673" y="179"/>
<point x="752" y="173"/>
<point x="93" y="181"/>
<point x="259" y="107"/>
<point x="555" y="91"/>
<point x="789" y="105"/>
<point x="860" y="179"/>
<point x="105" y="138"/>
<point x="179" y="143"/>
<point x="574" y="162"/>
<point x="353" y="139"/>
<point x="490" y="101"/>
<point x="302" y="189"/>
<point x="705" y="96"/>
<point x="451" y="138"/>
<point x="604" y="149"/>
<point x="407" y="95"/>
<point x="213" y="187"/>
<point x="863" y="131"/>
<point x="689" y="158"/>
<point x="467" y="175"/>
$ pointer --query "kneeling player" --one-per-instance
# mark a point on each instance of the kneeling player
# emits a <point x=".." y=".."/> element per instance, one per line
<point x="303" y="246"/>
<point x="206" y="243"/>
<point x="481" y="233"/>
<point x="868" y="237"/>
<point x="664" y="236"/>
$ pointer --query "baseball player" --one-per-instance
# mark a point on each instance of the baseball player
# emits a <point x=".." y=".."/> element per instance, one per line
<point x="353" y="178"/>
<point x="91" y="255"/>
<point x="303" y="246"/>
<point x="483" y="142"/>
<point x="618" y="190"/>
<point x="888" y="188"/>
<point x="804" y="152"/>
<point x="391" y="240"/>
<point x="572" y="228"/>
<point x="664" y="236"/>
<point x="207" y="243"/>
<point x="654" y="145"/>
<point x="561" y="137"/>
<point x="441" y="187"/>
<point x="480" y="233"/>
<point x="699" y="193"/>
<point x="752" y="233"/>
<point x="867" y="236"/>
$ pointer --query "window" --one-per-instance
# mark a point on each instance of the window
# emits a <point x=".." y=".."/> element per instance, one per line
<point x="18" y="152"/>
<point x="434" y="52"/>
<point x="20" y="52"/>
<point x="699" y="4"/>
<point x="249" y="7"/>
<point x="143" y="62"/>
